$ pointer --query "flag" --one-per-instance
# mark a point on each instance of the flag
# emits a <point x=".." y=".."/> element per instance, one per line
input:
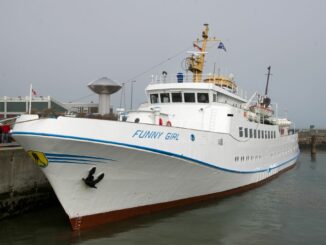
<point x="34" y="92"/>
<point x="221" y="46"/>
<point x="196" y="46"/>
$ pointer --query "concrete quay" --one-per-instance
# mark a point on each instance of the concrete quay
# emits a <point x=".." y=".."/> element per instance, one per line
<point x="312" y="138"/>
<point x="23" y="186"/>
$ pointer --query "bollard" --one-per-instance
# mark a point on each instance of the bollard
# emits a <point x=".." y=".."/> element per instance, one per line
<point x="313" y="144"/>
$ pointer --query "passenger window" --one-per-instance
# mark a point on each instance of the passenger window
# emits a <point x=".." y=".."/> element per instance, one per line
<point x="165" y="98"/>
<point x="258" y="134"/>
<point x="255" y="133"/>
<point x="262" y="134"/>
<point x="189" y="97"/>
<point x="240" y="131"/>
<point x="246" y="132"/>
<point x="250" y="133"/>
<point x="176" y="97"/>
<point x="202" y="98"/>
<point x="154" y="98"/>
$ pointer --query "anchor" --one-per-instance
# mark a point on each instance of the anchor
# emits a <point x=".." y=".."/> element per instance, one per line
<point x="90" y="180"/>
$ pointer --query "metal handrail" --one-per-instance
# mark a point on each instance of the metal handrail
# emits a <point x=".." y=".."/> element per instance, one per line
<point x="187" y="78"/>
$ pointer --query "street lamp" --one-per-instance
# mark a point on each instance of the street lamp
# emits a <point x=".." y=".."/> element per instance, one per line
<point x="131" y="93"/>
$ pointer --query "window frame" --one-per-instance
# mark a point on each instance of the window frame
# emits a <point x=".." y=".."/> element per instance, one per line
<point x="162" y="100"/>
<point x="185" y="94"/>
<point x="151" y="96"/>
<point x="199" y="94"/>
<point x="174" y="93"/>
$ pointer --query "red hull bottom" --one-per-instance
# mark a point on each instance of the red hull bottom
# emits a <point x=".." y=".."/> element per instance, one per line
<point x="102" y="218"/>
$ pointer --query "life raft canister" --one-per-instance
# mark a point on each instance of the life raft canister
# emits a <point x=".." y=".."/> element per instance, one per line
<point x="168" y="123"/>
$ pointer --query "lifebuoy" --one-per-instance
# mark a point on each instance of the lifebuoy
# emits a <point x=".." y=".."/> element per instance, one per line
<point x="160" y="122"/>
<point x="168" y="123"/>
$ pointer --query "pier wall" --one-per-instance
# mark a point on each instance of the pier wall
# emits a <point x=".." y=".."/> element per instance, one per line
<point x="22" y="184"/>
<point x="305" y="139"/>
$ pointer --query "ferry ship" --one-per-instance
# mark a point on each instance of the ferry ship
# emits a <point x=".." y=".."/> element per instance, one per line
<point x="192" y="141"/>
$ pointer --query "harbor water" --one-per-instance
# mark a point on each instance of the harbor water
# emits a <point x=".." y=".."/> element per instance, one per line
<point x="291" y="209"/>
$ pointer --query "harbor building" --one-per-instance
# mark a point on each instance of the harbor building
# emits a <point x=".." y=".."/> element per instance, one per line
<point x="14" y="106"/>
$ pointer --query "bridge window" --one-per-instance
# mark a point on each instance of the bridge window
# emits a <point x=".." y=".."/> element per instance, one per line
<point x="202" y="98"/>
<point x="176" y="97"/>
<point x="165" y="98"/>
<point x="154" y="98"/>
<point x="189" y="97"/>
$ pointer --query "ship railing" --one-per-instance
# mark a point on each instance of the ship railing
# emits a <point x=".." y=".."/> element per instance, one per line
<point x="188" y="78"/>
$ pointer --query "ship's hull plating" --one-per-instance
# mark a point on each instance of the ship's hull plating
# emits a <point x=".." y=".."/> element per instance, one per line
<point x="170" y="167"/>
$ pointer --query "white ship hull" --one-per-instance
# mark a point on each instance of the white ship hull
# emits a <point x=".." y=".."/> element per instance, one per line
<point x="146" y="167"/>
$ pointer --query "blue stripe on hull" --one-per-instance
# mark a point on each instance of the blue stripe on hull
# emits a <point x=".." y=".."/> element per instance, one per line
<point x="76" y="156"/>
<point x="53" y="159"/>
<point x="68" y="161"/>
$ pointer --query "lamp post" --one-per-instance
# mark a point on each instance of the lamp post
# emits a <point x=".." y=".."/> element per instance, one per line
<point x="131" y="93"/>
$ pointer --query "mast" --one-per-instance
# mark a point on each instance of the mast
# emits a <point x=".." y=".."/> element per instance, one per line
<point x="197" y="60"/>
<point x="268" y="75"/>
<point x="267" y="100"/>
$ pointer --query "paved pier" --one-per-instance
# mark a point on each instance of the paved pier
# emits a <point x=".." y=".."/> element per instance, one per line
<point x="22" y="184"/>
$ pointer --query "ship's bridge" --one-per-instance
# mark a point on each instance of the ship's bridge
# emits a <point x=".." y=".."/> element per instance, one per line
<point x="184" y="104"/>
<point x="164" y="93"/>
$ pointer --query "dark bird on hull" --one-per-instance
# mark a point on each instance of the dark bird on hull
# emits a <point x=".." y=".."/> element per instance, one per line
<point x="90" y="180"/>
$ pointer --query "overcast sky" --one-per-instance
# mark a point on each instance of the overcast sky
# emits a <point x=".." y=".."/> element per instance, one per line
<point x="61" y="46"/>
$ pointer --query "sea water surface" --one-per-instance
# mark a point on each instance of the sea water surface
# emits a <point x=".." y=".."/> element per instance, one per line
<point x="291" y="209"/>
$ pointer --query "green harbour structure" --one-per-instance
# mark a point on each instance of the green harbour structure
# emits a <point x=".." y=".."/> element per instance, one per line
<point x="15" y="106"/>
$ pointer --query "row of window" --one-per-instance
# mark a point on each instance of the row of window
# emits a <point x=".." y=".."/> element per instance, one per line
<point x="273" y="154"/>
<point x="177" y="97"/>
<point x="256" y="133"/>
<point x="246" y="158"/>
